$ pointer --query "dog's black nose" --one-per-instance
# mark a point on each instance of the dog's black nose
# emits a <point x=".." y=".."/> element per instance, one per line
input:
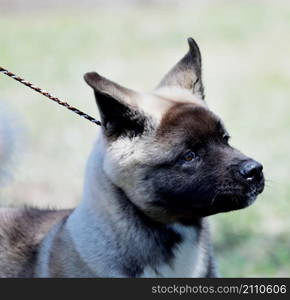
<point x="251" y="170"/>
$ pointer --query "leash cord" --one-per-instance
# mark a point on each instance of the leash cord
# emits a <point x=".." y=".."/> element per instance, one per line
<point x="49" y="96"/>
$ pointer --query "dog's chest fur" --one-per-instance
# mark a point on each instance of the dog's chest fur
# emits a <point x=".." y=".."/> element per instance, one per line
<point x="189" y="257"/>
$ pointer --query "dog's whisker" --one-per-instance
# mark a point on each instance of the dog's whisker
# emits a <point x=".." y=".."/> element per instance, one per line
<point x="272" y="187"/>
<point x="214" y="197"/>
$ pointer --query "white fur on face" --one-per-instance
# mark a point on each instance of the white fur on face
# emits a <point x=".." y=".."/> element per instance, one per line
<point x="159" y="101"/>
<point x="123" y="164"/>
<point x="179" y="95"/>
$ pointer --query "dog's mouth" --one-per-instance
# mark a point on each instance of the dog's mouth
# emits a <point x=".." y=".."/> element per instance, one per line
<point x="222" y="197"/>
<point x="231" y="197"/>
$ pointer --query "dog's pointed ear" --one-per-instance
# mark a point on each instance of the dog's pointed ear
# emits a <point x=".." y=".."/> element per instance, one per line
<point x="115" y="103"/>
<point x="187" y="73"/>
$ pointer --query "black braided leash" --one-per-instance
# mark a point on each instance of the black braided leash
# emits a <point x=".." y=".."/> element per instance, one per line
<point x="48" y="95"/>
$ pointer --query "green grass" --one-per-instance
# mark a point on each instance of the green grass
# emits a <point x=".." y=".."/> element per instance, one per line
<point x="246" y="54"/>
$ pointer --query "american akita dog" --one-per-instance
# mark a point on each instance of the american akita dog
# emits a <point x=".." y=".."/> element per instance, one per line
<point x="161" y="164"/>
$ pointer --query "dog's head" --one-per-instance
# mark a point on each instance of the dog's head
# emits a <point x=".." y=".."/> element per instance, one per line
<point x="168" y="152"/>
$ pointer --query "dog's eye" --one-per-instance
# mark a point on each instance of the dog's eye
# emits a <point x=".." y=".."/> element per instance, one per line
<point x="226" y="137"/>
<point x="189" y="156"/>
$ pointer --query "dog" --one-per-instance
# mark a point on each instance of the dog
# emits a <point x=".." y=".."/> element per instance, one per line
<point x="161" y="165"/>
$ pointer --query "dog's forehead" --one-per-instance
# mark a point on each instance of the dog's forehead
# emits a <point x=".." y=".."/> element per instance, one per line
<point x="189" y="119"/>
<point x="157" y="103"/>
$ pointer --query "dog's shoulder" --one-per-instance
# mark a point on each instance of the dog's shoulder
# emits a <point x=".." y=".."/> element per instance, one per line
<point x="21" y="231"/>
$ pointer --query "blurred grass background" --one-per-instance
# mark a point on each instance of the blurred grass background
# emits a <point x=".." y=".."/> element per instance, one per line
<point x="246" y="60"/>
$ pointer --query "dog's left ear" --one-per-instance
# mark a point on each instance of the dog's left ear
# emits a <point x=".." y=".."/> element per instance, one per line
<point x="119" y="115"/>
<point x="186" y="74"/>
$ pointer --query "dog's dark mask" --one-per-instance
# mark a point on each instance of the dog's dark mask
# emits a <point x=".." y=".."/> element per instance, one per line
<point x="179" y="166"/>
<point x="207" y="176"/>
